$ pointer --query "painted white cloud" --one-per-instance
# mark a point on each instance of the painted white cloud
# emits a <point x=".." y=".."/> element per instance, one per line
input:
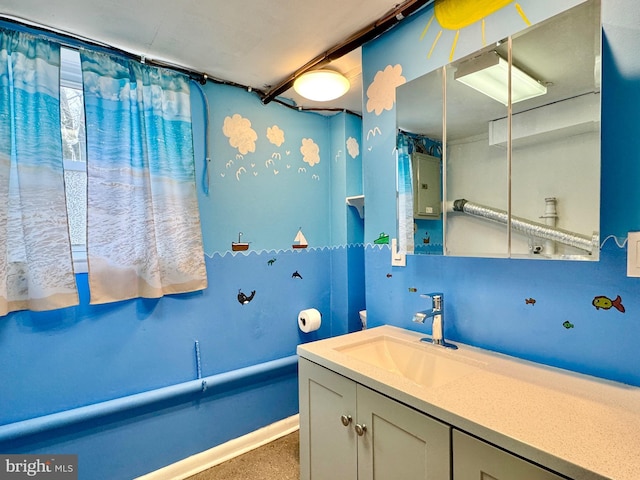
<point x="310" y="151"/>
<point x="381" y="93"/>
<point x="352" y="147"/>
<point x="275" y="135"/>
<point x="241" y="135"/>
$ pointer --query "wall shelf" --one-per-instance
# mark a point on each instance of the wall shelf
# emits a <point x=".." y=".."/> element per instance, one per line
<point x="357" y="202"/>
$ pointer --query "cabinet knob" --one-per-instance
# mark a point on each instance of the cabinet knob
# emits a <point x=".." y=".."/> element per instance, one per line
<point x="361" y="429"/>
<point x="346" y="420"/>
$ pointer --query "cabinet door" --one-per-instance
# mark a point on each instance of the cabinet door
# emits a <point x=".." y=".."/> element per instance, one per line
<point x="328" y="449"/>
<point x="476" y="460"/>
<point x="400" y="442"/>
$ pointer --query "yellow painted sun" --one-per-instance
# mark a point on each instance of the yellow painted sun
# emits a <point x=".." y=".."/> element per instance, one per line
<point x="459" y="14"/>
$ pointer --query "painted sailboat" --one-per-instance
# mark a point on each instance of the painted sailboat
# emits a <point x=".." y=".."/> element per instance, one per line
<point x="300" y="241"/>
<point x="239" y="246"/>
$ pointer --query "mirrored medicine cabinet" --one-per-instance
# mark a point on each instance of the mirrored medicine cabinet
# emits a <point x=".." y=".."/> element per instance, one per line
<point x="485" y="173"/>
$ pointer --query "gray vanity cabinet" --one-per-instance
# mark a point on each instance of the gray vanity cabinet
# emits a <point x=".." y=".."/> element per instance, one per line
<point x="348" y="431"/>
<point x="328" y="449"/>
<point x="474" y="459"/>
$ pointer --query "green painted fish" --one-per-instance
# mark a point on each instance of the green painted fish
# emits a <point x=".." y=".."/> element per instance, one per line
<point x="568" y="325"/>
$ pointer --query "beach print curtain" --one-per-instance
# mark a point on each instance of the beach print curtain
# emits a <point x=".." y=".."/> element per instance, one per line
<point x="405" y="195"/>
<point x="143" y="227"/>
<point x="36" y="269"/>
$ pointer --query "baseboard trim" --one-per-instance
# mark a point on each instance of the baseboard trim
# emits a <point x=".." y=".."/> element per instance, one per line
<point x="216" y="455"/>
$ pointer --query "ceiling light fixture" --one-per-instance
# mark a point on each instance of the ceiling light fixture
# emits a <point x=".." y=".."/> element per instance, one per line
<point x="489" y="74"/>
<point x="321" y="85"/>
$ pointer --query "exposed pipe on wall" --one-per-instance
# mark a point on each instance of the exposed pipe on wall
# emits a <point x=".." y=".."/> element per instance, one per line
<point x="527" y="227"/>
<point x="371" y="31"/>
<point x="550" y="218"/>
<point x="214" y="383"/>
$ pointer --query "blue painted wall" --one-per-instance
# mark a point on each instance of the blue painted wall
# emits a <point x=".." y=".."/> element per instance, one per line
<point x="55" y="361"/>
<point x="59" y="360"/>
<point x="485" y="298"/>
<point x="347" y="266"/>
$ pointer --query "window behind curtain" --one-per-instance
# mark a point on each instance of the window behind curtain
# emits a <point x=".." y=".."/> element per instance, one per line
<point x="74" y="149"/>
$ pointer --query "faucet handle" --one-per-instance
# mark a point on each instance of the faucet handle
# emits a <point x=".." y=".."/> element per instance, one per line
<point x="436" y="300"/>
<point x="432" y="295"/>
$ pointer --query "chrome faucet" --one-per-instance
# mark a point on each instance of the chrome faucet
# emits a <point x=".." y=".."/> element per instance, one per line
<point x="437" y="323"/>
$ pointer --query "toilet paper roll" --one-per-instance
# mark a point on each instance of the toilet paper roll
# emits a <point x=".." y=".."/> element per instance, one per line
<point x="309" y="320"/>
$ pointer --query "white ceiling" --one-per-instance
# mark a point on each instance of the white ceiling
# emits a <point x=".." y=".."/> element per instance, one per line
<point x="253" y="43"/>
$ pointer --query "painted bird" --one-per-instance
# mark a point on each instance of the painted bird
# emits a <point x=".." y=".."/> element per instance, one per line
<point x="606" y="303"/>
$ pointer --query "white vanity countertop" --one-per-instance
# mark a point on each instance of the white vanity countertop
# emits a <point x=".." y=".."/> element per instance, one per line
<point x="580" y="426"/>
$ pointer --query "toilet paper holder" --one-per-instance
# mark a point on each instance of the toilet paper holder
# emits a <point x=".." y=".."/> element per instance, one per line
<point x="309" y="320"/>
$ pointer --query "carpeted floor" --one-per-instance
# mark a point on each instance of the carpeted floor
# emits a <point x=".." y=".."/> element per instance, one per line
<point x="278" y="460"/>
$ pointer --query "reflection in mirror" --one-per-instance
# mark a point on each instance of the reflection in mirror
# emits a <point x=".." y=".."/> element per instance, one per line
<point x="419" y="146"/>
<point x="555" y="159"/>
<point x="476" y="169"/>
<point x="520" y="179"/>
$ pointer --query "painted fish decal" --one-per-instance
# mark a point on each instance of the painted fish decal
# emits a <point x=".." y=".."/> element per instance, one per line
<point x="243" y="299"/>
<point x="296" y="275"/>
<point x="272" y="261"/>
<point x="568" y="325"/>
<point x="606" y="303"/>
<point x="530" y="301"/>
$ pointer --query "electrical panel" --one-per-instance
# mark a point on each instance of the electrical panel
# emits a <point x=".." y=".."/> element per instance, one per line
<point x="427" y="186"/>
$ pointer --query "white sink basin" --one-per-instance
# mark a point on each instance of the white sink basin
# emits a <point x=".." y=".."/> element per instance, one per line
<point x="421" y="363"/>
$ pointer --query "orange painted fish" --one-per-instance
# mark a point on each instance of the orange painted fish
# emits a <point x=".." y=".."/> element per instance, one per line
<point x="606" y="303"/>
<point x="530" y="301"/>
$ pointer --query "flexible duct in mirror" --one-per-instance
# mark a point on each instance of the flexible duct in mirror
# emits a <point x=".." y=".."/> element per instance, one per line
<point x="583" y="242"/>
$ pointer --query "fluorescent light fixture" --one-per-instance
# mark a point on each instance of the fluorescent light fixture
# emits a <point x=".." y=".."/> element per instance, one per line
<point x="489" y="74"/>
<point x="321" y="85"/>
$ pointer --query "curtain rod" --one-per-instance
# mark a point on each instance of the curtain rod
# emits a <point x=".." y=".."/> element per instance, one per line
<point x="73" y="40"/>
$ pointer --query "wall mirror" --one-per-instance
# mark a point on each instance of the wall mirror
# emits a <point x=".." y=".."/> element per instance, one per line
<point x="496" y="175"/>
